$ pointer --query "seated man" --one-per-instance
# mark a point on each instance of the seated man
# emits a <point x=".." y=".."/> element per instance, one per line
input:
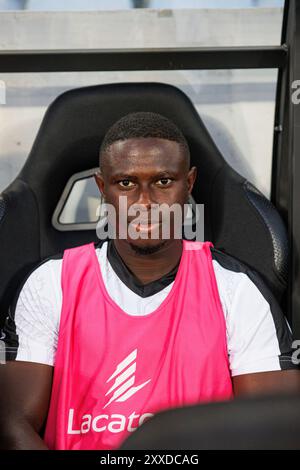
<point x="104" y="336"/>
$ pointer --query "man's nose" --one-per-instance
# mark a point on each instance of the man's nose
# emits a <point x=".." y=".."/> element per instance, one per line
<point x="145" y="198"/>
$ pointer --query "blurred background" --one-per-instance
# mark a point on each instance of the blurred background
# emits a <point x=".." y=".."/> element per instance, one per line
<point x="123" y="4"/>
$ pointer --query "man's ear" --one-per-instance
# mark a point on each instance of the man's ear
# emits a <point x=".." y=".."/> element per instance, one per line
<point x="191" y="178"/>
<point x="99" y="181"/>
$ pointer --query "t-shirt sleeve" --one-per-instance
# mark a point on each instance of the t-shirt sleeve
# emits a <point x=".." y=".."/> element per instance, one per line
<point x="259" y="338"/>
<point x="31" y="328"/>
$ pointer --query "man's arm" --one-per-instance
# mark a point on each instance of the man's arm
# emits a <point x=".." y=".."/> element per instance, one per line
<point x="259" y="341"/>
<point x="29" y="338"/>
<point x="25" y="390"/>
<point x="267" y="383"/>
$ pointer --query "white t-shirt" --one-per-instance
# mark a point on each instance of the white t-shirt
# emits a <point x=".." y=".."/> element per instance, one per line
<point x="258" y="336"/>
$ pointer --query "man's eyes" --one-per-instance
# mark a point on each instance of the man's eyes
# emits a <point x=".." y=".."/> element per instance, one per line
<point x="164" y="181"/>
<point x="126" y="183"/>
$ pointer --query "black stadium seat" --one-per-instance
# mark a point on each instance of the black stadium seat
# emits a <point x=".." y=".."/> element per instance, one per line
<point x="257" y="423"/>
<point x="238" y="219"/>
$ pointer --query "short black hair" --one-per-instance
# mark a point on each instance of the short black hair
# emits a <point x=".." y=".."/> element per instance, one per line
<point x="142" y="125"/>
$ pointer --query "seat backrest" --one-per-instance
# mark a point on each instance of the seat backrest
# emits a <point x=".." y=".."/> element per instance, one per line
<point x="238" y="219"/>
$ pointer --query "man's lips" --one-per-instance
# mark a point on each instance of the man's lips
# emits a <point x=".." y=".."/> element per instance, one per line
<point x="145" y="226"/>
<point x="145" y="220"/>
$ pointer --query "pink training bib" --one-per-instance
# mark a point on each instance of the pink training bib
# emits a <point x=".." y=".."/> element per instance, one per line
<point x="114" y="370"/>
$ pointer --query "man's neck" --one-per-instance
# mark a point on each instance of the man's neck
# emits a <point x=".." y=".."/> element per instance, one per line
<point x="148" y="268"/>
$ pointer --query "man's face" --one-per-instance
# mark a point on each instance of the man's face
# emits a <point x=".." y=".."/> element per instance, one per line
<point x="149" y="172"/>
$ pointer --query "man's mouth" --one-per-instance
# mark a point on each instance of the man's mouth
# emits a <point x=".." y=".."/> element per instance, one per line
<point x="145" y="226"/>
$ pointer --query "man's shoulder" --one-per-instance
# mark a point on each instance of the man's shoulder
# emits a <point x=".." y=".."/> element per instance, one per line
<point x="41" y="275"/>
<point x="44" y="266"/>
<point x="52" y="265"/>
<point x="230" y="263"/>
<point x="237" y="272"/>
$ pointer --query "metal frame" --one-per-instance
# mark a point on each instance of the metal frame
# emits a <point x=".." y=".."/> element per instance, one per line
<point x="185" y="58"/>
<point x="286" y="151"/>
<point x="286" y="156"/>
